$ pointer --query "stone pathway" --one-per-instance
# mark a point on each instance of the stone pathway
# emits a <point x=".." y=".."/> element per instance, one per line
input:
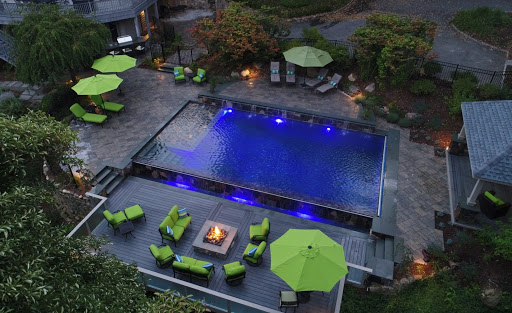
<point x="30" y="93"/>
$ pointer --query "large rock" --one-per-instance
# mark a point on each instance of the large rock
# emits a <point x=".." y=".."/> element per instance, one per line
<point x="412" y="115"/>
<point x="370" y="87"/>
<point x="352" y="77"/>
<point x="187" y="70"/>
<point x="235" y="74"/>
<point x="352" y="90"/>
<point x="491" y="296"/>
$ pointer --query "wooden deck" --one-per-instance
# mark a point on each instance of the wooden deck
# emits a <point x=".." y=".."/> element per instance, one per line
<point x="260" y="286"/>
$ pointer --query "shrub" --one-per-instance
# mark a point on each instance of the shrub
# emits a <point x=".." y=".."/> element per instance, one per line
<point x="366" y="114"/>
<point x="463" y="239"/>
<point x="12" y="107"/>
<point x="482" y="21"/>
<point x="392" y="117"/>
<point x="423" y="87"/>
<point x="420" y="106"/>
<point x="456" y="75"/>
<point x="407" y="259"/>
<point x="489" y="92"/>
<point x="404" y="122"/>
<point x="62" y="97"/>
<point x="294" y="3"/>
<point x="380" y="112"/>
<point x="418" y="120"/>
<point x="431" y="68"/>
<point x="464" y="90"/>
<point x="213" y="83"/>
<point x="435" y="123"/>
<point x="339" y="54"/>
<point x="469" y="271"/>
<point x="499" y="239"/>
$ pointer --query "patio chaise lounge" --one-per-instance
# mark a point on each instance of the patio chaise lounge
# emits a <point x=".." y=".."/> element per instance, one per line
<point x="179" y="74"/>
<point x="253" y="254"/>
<point x="114" y="220"/>
<point x="313" y="82"/>
<point x="290" y="73"/>
<point x="163" y="256"/>
<point x="492" y="206"/>
<point x="259" y="232"/>
<point x="193" y="268"/>
<point x="106" y="105"/>
<point x="174" y="224"/>
<point x="275" y="77"/>
<point x="201" y="76"/>
<point x="333" y="83"/>
<point x="83" y="116"/>
<point x="234" y="273"/>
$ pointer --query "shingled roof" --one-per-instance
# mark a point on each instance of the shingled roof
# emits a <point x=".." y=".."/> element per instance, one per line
<point x="489" y="136"/>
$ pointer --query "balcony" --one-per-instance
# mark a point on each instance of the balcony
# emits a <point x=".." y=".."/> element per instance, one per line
<point x="103" y="10"/>
<point x="156" y="199"/>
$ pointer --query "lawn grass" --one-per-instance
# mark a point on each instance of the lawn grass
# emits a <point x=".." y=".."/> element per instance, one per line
<point x="296" y="8"/>
<point x="441" y="294"/>
<point x="482" y="21"/>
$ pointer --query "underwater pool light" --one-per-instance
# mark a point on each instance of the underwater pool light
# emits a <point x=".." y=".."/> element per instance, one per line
<point x="229" y="111"/>
<point x="279" y="121"/>
<point x="328" y="129"/>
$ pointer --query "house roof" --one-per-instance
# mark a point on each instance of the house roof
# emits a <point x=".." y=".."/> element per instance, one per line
<point x="489" y="137"/>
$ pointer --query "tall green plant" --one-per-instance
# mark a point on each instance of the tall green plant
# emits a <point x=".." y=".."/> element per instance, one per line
<point x="339" y="54"/>
<point x="49" y="42"/>
<point x="499" y="239"/>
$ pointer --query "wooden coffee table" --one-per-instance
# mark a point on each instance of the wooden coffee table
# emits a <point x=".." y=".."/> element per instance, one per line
<point x="212" y="249"/>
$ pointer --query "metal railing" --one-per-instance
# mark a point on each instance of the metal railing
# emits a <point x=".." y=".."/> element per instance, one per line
<point x="93" y="219"/>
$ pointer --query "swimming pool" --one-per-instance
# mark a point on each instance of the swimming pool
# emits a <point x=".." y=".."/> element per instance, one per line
<point x="319" y="164"/>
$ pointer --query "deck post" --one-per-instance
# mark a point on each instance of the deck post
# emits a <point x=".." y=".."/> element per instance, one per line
<point x="137" y="25"/>
<point x="146" y="14"/>
<point x="462" y="133"/>
<point x="476" y="191"/>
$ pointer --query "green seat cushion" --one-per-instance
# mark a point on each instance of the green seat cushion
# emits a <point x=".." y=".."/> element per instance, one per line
<point x="114" y="107"/>
<point x="180" y="77"/>
<point x="94" y="118"/>
<point x="165" y="252"/>
<point x="198" y="270"/>
<point x="181" y="266"/>
<point x="155" y="251"/>
<point x="201" y="263"/>
<point x="189" y="260"/>
<point x="183" y="222"/>
<point x="234" y="269"/>
<point x="255" y="230"/>
<point x="288" y="297"/>
<point x="134" y="212"/>
<point x="197" y="79"/>
<point x="77" y="110"/>
<point x="174" y="213"/>
<point x="497" y="201"/>
<point x="114" y="219"/>
<point x="260" y="250"/>
<point x="166" y="222"/>
<point x="178" y="232"/>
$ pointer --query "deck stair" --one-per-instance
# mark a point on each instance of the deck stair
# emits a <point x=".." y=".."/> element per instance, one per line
<point x="106" y="181"/>
<point x="382" y="254"/>
<point x="166" y="67"/>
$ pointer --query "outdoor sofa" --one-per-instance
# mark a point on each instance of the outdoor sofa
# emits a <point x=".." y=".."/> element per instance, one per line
<point x="174" y="224"/>
<point x="193" y="268"/>
<point x="234" y="273"/>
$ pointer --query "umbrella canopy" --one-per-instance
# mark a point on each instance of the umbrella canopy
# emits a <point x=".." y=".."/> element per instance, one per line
<point x="308" y="260"/>
<point x="97" y="84"/>
<point x="114" y="63"/>
<point x="306" y="56"/>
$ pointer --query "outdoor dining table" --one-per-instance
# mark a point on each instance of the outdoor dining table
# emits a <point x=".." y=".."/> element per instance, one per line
<point x="116" y="46"/>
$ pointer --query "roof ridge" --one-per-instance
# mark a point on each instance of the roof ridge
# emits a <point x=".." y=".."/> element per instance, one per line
<point x="495" y="160"/>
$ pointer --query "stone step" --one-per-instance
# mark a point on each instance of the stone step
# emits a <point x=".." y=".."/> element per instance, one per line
<point x="379" y="248"/>
<point x="113" y="184"/>
<point x="101" y="175"/>
<point x="388" y="248"/>
<point x="398" y="249"/>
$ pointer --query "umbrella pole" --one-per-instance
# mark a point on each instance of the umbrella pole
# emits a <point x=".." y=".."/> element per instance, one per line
<point x="120" y="93"/>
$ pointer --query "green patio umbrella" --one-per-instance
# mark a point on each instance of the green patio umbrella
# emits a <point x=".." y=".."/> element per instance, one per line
<point x="306" y="56"/>
<point x="114" y="63"/>
<point x="308" y="260"/>
<point x="97" y="84"/>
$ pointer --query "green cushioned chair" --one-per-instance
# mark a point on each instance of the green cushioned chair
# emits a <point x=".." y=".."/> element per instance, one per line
<point x="234" y="273"/>
<point x="106" y="105"/>
<point x="288" y="299"/>
<point x="115" y="219"/>
<point x="201" y="76"/>
<point x="179" y="74"/>
<point x="178" y="225"/>
<point x="163" y="256"/>
<point x="134" y="212"/>
<point x="259" y="232"/>
<point x="193" y="269"/>
<point x="83" y="116"/>
<point x="257" y="258"/>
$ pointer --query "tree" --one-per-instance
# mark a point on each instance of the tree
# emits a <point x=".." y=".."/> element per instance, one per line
<point x="171" y="302"/>
<point x="391" y="44"/>
<point x="43" y="271"/>
<point x="235" y="38"/>
<point x="48" y="42"/>
<point x="30" y="140"/>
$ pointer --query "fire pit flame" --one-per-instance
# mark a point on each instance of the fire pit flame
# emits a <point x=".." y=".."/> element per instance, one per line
<point x="215" y="236"/>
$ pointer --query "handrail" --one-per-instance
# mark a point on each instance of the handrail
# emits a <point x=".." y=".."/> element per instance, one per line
<point x="86" y="218"/>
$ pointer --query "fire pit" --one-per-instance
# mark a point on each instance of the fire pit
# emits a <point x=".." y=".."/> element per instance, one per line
<point x="220" y="244"/>
<point x="215" y="236"/>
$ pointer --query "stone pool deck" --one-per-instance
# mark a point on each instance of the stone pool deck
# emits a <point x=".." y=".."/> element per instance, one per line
<point x="151" y="96"/>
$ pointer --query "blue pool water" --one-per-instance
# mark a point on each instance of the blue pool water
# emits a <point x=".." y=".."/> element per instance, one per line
<point x="335" y="167"/>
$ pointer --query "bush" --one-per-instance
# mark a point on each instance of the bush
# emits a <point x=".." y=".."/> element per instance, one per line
<point x="469" y="271"/>
<point x="12" y="107"/>
<point x="423" y="87"/>
<point x="420" y="106"/>
<point x="456" y="75"/>
<point x="60" y="99"/>
<point x="404" y="122"/>
<point x="339" y="54"/>
<point x="435" y="123"/>
<point x="380" y="112"/>
<point x="392" y="117"/>
<point x="463" y="239"/>
<point x="418" y="120"/>
<point x="499" y="239"/>
<point x="431" y="68"/>
<point x="464" y="90"/>
<point x="294" y="3"/>
<point x="489" y="92"/>
<point x="482" y="21"/>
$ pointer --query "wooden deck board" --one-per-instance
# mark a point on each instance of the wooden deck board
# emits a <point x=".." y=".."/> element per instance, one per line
<point x="261" y="286"/>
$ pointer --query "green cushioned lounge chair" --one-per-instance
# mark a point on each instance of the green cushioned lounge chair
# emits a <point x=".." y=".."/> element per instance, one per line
<point x="179" y="74"/>
<point x="115" y="219"/>
<point x="234" y="273"/>
<point x="288" y="299"/>
<point x="106" y="105"/>
<point x="257" y="257"/>
<point x="259" y="232"/>
<point x="163" y="256"/>
<point x="134" y="212"/>
<point x="201" y="76"/>
<point x="83" y="116"/>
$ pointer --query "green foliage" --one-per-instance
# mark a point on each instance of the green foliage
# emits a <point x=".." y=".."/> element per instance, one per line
<point x="294" y="3"/>
<point x="435" y="123"/>
<point x="407" y="259"/>
<point x="355" y="302"/>
<point x="499" y="239"/>
<point x="367" y="113"/>
<point x="12" y="106"/>
<point x="464" y="90"/>
<point x="456" y="75"/>
<point x="392" y="117"/>
<point x="49" y="41"/>
<point x="169" y="301"/>
<point x="418" y="120"/>
<point x="423" y="87"/>
<point x="431" y="68"/>
<point x="213" y="83"/>
<point x="404" y="122"/>
<point x="482" y="21"/>
<point x="380" y="112"/>
<point x="57" y="103"/>
<point x="295" y="8"/>
<point x="463" y="239"/>
<point x="390" y="44"/>
<point x="285" y="45"/>
<point x="420" y="106"/>
<point x="469" y="271"/>
<point x="489" y="92"/>
<point x="28" y="141"/>
<point x="235" y="38"/>
<point x="339" y="54"/>
<point x="43" y="271"/>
